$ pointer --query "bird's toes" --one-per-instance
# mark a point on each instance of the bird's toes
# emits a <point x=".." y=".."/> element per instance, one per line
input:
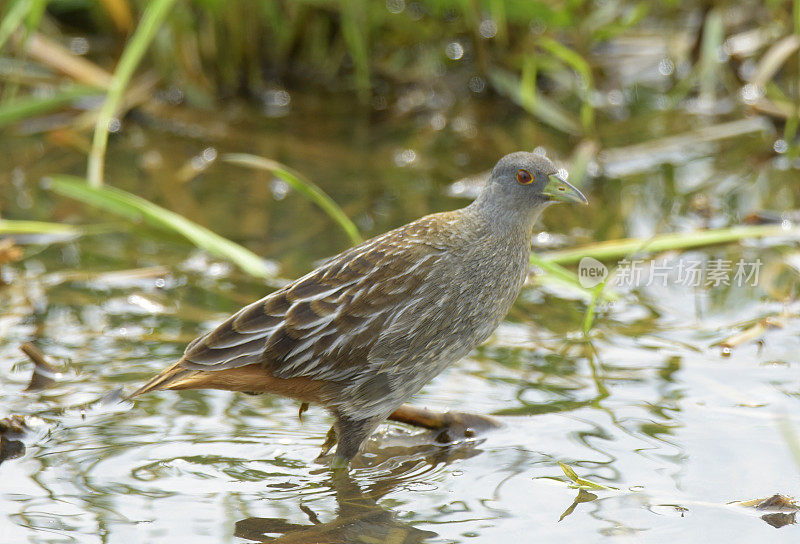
<point x="330" y="441"/>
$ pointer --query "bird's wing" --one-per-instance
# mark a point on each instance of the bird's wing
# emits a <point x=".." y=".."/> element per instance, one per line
<point x="323" y="325"/>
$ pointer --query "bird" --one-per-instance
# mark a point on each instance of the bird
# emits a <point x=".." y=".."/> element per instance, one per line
<point x="368" y="328"/>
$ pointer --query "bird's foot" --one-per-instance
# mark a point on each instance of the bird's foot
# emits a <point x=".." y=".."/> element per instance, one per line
<point x="339" y="463"/>
<point x="303" y="408"/>
<point x="330" y="441"/>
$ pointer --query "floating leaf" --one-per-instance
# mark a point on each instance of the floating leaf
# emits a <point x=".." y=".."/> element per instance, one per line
<point x="775" y="503"/>
<point x="583" y="483"/>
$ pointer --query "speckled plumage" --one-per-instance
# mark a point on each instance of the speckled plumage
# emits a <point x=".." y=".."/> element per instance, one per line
<point x="366" y="330"/>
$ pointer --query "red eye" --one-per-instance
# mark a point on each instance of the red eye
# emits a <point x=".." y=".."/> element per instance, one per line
<point x="524" y="177"/>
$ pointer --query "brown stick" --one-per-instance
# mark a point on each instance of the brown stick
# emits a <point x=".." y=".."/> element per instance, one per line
<point x="43" y="372"/>
<point x="38" y="358"/>
<point x="436" y="421"/>
<point x="58" y="57"/>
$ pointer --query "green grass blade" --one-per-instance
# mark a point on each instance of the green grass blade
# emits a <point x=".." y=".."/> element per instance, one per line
<point x="567" y="56"/>
<point x="354" y="30"/>
<point x="13" y="18"/>
<point x="24" y="108"/>
<point x="557" y="274"/>
<point x="583" y="483"/>
<point x="613" y="249"/>
<point x="588" y="319"/>
<point x="527" y="82"/>
<point x="134" y="51"/>
<point x="13" y="226"/>
<point x="300" y="184"/>
<point x="572" y="59"/>
<point x="132" y="207"/>
<point x="539" y="106"/>
<point x="709" y="63"/>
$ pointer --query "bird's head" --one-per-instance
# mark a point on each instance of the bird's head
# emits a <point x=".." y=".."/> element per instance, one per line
<point x="525" y="183"/>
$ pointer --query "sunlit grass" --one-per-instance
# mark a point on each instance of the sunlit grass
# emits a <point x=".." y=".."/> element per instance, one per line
<point x="27" y="107"/>
<point x="12" y="226"/>
<point x="615" y="249"/>
<point x="151" y="21"/>
<point x="583" y="483"/>
<point x="302" y="185"/>
<point x="12" y="19"/>
<point x="134" y="208"/>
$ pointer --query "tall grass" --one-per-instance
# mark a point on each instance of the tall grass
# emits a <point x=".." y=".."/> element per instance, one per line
<point x="152" y="19"/>
<point x="214" y="48"/>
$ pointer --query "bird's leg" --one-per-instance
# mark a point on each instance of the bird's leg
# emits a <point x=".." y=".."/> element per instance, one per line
<point x="451" y="425"/>
<point x="351" y="434"/>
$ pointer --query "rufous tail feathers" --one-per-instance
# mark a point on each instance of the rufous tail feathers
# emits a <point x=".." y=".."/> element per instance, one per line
<point x="166" y="380"/>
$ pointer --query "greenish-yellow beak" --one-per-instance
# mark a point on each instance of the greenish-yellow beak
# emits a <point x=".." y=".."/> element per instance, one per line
<point x="561" y="191"/>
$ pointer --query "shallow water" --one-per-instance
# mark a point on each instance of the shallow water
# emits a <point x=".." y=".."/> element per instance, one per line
<point x="646" y="403"/>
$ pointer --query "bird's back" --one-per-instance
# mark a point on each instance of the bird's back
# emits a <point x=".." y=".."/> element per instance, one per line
<point x="380" y="319"/>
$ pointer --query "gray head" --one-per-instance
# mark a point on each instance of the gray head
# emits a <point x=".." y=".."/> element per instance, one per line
<point x="522" y="185"/>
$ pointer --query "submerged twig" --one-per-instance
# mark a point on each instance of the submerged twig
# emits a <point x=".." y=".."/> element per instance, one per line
<point x="752" y="332"/>
<point x="61" y="59"/>
<point x="43" y="372"/>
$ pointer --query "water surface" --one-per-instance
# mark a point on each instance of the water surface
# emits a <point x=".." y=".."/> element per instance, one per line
<point x="647" y="403"/>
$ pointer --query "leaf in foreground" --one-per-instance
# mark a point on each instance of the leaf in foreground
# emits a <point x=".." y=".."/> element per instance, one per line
<point x="14" y="226"/>
<point x="133" y="207"/>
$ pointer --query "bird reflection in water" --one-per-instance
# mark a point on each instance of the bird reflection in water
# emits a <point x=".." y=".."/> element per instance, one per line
<point x="359" y="516"/>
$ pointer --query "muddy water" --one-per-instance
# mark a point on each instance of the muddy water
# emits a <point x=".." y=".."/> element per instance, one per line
<point x="646" y="403"/>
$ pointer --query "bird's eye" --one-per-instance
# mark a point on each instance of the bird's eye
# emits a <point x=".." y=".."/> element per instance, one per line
<point x="524" y="177"/>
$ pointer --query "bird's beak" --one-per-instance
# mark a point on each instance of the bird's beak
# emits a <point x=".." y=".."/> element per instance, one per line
<point x="559" y="190"/>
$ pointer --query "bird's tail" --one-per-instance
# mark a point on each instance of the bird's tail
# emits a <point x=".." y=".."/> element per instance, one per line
<point x="168" y="379"/>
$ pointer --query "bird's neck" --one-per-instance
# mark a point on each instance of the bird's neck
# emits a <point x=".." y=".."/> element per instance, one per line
<point x="516" y="222"/>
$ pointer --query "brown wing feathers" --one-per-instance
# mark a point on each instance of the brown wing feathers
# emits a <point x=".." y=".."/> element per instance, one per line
<point x="320" y="327"/>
